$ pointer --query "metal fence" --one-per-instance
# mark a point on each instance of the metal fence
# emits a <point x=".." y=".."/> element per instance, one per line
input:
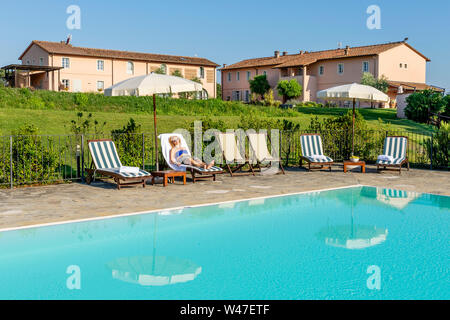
<point x="43" y="159"/>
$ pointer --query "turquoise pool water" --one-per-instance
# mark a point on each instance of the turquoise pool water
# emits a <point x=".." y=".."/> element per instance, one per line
<point x="307" y="246"/>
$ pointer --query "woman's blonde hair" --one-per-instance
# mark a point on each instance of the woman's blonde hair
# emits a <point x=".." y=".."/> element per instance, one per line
<point x="173" y="140"/>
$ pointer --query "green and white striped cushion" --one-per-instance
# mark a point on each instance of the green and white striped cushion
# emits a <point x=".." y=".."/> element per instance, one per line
<point x="311" y="145"/>
<point x="212" y="169"/>
<point x="396" y="148"/>
<point x="104" y="155"/>
<point x="142" y="173"/>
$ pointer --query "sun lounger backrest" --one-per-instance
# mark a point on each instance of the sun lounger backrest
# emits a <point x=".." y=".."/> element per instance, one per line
<point x="229" y="147"/>
<point x="258" y="143"/>
<point x="395" y="147"/>
<point x="311" y="144"/>
<point x="166" y="147"/>
<point x="104" y="154"/>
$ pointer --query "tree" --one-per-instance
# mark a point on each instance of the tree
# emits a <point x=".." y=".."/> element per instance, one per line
<point x="422" y="102"/>
<point x="177" y="73"/>
<point x="259" y="85"/>
<point x="289" y="89"/>
<point x="369" y="80"/>
<point x="219" y="91"/>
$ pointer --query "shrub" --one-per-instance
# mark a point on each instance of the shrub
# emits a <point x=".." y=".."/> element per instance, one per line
<point x="289" y="89"/>
<point x="128" y="142"/>
<point x="419" y="103"/>
<point x="337" y="136"/>
<point x="369" y="80"/>
<point x="439" y="146"/>
<point x="81" y="99"/>
<point x="35" y="158"/>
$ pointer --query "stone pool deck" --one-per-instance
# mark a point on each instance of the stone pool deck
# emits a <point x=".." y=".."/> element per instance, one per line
<point x="56" y="203"/>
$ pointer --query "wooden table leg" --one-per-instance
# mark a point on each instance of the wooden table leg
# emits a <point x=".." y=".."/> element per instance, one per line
<point x="345" y="168"/>
<point x="363" y="168"/>
<point x="165" y="181"/>
<point x="184" y="178"/>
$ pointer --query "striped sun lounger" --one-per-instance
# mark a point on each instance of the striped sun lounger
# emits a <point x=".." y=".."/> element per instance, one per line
<point x="106" y="162"/>
<point x="394" y="146"/>
<point x="312" y="152"/>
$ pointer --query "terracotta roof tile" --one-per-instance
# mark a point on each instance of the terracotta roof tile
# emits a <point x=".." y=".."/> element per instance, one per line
<point x="62" y="48"/>
<point x="415" y="86"/>
<point x="308" y="58"/>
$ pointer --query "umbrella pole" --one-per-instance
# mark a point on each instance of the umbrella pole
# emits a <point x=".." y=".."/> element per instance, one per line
<point x="353" y="128"/>
<point x="156" y="133"/>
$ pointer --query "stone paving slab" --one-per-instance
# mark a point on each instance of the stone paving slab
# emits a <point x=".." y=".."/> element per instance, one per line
<point x="56" y="203"/>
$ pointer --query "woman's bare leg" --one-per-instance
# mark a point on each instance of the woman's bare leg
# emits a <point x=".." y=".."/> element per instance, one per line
<point x="199" y="164"/>
<point x="209" y="166"/>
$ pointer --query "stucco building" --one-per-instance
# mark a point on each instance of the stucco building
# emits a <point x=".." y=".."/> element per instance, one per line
<point x="92" y="70"/>
<point x="399" y="62"/>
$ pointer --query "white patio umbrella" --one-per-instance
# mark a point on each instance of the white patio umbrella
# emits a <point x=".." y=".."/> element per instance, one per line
<point x="354" y="91"/>
<point x="153" y="84"/>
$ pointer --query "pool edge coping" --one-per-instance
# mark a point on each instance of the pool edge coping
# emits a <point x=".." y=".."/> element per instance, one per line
<point x="49" y="224"/>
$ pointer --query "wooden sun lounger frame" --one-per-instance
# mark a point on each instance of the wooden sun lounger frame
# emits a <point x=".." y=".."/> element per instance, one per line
<point x="316" y="165"/>
<point x="398" y="165"/>
<point x="91" y="171"/>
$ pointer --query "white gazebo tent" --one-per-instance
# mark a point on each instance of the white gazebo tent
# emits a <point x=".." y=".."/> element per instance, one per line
<point x="353" y="92"/>
<point x="153" y="84"/>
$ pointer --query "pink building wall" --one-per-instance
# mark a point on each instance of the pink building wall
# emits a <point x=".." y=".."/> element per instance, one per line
<point x="83" y="71"/>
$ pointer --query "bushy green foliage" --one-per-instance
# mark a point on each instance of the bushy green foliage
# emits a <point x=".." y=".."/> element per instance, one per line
<point x="419" y="103"/>
<point x="35" y="158"/>
<point x="177" y="73"/>
<point x="289" y="89"/>
<point x="259" y="85"/>
<point x="128" y="142"/>
<point x="447" y="106"/>
<point x="439" y="146"/>
<point x="337" y="136"/>
<point x="369" y="80"/>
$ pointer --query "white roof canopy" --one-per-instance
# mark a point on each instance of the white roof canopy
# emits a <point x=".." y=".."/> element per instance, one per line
<point x="353" y="91"/>
<point x="152" y="84"/>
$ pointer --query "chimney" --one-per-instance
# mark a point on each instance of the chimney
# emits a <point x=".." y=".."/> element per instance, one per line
<point x="406" y="39"/>
<point x="347" y="48"/>
<point x="284" y="53"/>
<point x="276" y="54"/>
<point x="302" y="52"/>
<point x="224" y="65"/>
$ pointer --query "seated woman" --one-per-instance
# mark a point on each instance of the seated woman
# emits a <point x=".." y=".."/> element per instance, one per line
<point x="179" y="155"/>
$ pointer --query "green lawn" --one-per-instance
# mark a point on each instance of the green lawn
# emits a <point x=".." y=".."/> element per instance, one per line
<point x="52" y="112"/>
<point x="58" y="121"/>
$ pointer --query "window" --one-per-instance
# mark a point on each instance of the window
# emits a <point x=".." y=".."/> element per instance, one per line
<point x="28" y="62"/>
<point x="247" y="96"/>
<point x="406" y="66"/>
<point x="365" y="66"/>
<point x="65" y="63"/>
<point x="236" y="95"/>
<point x="264" y="72"/>
<point x="201" y="73"/>
<point x="66" y="83"/>
<point x="248" y="75"/>
<point x="34" y="62"/>
<point x="321" y="70"/>
<point x="238" y="75"/>
<point x="130" y="67"/>
<point x="100" y="85"/>
<point x="100" y="65"/>
<point x="340" y="68"/>
<point x="401" y="65"/>
<point x="229" y="76"/>
<point x="41" y="61"/>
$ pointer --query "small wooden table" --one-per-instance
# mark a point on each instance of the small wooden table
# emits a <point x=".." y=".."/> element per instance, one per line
<point x="360" y="163"/>
<point x="168" y="175"/>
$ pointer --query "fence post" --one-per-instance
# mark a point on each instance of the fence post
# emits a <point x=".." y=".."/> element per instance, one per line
<point x="431" y="153"/>
<point x="82" y="158"/>
<point x="143" y="151"/>
<point x="11" y="162"/>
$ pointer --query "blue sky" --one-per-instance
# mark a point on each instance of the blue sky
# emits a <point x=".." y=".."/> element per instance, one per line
<point x="229" y="31"/>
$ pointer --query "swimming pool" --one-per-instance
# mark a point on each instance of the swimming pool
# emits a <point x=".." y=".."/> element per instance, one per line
<point x="350" y="243"/>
